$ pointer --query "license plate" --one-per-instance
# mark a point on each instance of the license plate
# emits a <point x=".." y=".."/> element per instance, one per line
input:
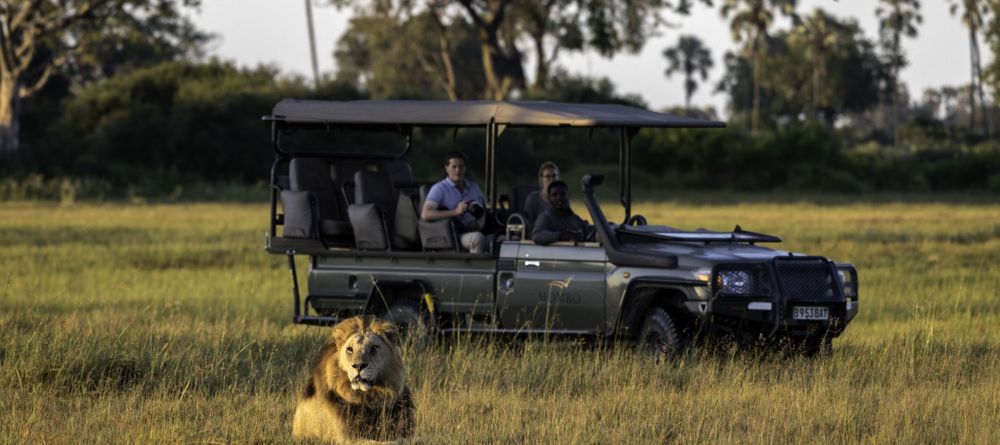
<point x="810" y="313"/>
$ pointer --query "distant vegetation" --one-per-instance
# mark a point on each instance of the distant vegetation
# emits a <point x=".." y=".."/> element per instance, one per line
<point x="814" y="106"/>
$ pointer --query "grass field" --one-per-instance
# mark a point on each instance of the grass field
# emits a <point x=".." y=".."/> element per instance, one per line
<point x="169" y="324"/>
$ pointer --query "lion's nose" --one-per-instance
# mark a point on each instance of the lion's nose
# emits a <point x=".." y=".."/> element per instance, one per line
<point x="359" y="366"/>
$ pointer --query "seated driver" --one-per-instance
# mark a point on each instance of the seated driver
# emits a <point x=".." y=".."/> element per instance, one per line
<point x="451" y="198"/>
<point x="558" y="222"/>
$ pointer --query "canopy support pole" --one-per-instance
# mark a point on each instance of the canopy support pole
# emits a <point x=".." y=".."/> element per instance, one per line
<point x="491" y="144"/>
<point x="625" y="170"/>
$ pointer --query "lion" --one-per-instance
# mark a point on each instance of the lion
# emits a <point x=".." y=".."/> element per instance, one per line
<point x="357" y="393"/>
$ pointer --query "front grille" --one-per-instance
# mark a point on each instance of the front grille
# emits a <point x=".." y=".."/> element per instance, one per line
<point x="805" y="279"/>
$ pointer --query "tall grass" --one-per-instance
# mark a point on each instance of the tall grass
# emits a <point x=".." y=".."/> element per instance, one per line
<point x="168" y="323"/>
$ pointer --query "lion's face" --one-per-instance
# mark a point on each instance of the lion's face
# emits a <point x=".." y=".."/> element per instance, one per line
<point x="363" y="356"/>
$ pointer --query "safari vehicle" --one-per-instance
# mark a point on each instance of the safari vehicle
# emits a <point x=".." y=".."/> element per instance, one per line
<point x="353" y="212"/>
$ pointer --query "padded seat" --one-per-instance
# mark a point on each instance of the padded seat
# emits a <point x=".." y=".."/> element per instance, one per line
<point x="436" y="235"/>
<point x="336" y="228"/>
<point x="314" y="206"/>
<point x="381" y="217"/>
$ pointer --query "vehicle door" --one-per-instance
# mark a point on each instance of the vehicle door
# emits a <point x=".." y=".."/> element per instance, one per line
<point x="556" y="287"/>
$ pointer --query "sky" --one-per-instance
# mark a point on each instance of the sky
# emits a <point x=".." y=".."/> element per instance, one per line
<point x="274" y="32"/>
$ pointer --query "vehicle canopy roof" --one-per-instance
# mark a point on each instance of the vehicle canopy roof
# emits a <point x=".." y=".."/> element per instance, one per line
<point x="471" y="113"/>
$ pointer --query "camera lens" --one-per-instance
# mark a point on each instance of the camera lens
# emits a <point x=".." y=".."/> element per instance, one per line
<point x="476" y="209"/>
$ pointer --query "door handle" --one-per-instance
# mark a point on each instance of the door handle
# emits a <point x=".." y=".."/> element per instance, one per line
<point x="534" y="264"/>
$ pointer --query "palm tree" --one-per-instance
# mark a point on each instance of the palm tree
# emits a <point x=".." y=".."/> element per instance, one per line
<point x="691" y="57"/>
<point x="819" y="36"/>
<point x="897" y="18"/>
<point x="973" y="14"/>
<point x="750" y="21"/>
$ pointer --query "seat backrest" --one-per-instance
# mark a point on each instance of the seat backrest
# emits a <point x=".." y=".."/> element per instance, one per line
<point x="519" y="194"/>
<point x="313" y="175"/>
<point x="375" y="187"/>
<point x="399" y="170"/>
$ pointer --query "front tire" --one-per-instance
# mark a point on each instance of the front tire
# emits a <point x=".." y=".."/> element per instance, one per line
<point x="659" y="334"/>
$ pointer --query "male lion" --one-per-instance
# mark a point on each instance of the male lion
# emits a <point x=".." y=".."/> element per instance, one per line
<point x="356" y="392"/>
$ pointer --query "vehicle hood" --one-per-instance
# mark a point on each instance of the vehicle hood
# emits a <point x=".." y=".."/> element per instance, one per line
<point x="691" y="254"/>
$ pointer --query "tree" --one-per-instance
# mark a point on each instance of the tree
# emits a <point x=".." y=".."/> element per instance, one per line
<point x="750" y="21"/>
<point x="973" y="14"/>
<point x="691" y="57"/>
<point x="807" y="76"/>
<point x="502" y="26"/>
<point x="897" y="18"/>
<point x="38" y="38"/>
<point x="818" y="37"/>
<point x="416" y="57"/>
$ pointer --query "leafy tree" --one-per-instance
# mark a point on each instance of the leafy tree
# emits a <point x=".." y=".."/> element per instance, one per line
<point x="176" y="122"/>
<point x="38" y="38"/>
<point x="974" y="13"/>
<point x="397" y="58"/>
<point x="845" y="74"/>
<point x="689" y="56"/>
<point x="805" y="75"/>
<point x="897" y="19"/>
<point x="501" y="27"/>
<point x="750" y="21"/>
<point x="817" y="37"/>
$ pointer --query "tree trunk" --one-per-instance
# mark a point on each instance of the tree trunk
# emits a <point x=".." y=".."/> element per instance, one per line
<point x="10" y="115"/>
<point x="755" y="113"/>
<point x="895" y="90"/>
<point x="541" y="62"/>
<point x="973" y="59"/>
<point x="815" y="88"/>
<point x="688" y="92"/>
<point x="977" y="83"/>
<point x="489" y="70"/>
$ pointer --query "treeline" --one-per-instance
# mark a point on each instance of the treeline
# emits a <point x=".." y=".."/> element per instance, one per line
<point x="819" y="110"/>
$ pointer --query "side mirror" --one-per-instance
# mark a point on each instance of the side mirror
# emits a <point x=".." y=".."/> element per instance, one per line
<point x="590" y="181"/>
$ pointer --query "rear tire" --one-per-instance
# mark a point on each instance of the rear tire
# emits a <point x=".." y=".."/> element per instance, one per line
<point x="659" y="334"/>
<point x="412" y="320"/>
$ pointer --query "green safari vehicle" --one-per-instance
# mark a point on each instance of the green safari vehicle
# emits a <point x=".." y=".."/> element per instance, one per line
<point x="354" y="213"/>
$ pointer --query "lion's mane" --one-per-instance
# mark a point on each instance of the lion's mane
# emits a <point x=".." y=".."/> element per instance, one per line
<point x="330" y="408"/>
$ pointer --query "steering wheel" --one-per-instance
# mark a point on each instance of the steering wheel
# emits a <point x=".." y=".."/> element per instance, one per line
<point x="636" y="220"/>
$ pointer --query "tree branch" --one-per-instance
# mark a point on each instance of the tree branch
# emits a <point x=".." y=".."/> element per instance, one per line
<point x="6" y="47"/>
<point x="473" y="14"/>
<point x="27" y="10"/>
<point x="27" y="91"/>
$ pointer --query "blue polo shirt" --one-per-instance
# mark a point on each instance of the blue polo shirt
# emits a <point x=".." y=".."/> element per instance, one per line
<point x="446" y="194"/>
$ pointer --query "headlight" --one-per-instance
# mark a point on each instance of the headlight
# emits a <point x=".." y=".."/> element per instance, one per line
<point x="849" y="278"/>
<point x="734" y="282"/>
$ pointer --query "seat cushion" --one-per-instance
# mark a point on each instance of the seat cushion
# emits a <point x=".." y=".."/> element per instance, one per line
<point x="330" y="227"/>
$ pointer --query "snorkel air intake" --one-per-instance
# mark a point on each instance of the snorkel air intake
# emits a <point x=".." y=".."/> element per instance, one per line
<point x="617" y="254"/>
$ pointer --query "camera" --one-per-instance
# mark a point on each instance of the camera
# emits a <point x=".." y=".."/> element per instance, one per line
<point x="476" y="209"/>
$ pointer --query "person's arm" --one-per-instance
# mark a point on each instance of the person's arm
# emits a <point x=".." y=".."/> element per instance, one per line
<point x="545" y="230"/>
<point x="430" y="212"/>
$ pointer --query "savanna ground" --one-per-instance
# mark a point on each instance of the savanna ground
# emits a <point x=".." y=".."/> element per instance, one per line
<point x="169" y="323"/>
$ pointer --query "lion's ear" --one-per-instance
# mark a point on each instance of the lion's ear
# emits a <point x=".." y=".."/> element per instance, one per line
<point x="343" y="330"/>
<point x="387" y="329"/>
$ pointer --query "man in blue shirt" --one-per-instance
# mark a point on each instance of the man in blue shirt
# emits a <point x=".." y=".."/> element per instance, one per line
<point x="451" y="198"/>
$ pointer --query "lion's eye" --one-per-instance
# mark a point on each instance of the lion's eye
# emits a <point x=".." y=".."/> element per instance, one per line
<point x="350" y="350"/>
<point x="374" y="349"/>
